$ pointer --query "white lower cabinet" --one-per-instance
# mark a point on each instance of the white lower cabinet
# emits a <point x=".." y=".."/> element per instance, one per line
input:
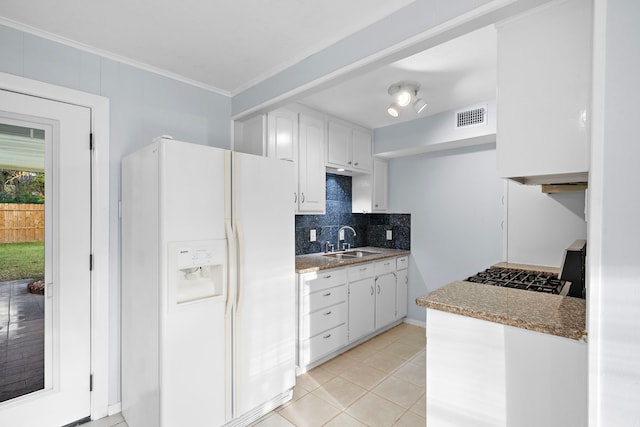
<point x="402" y="293"/>
<point x="402" y="286"/>
<point x="385" y="299"/>
<point x="362" y="314"/>
<point x="322" y="314"/>
<point x="341" y="306"/>
<point x="362" y="296"/>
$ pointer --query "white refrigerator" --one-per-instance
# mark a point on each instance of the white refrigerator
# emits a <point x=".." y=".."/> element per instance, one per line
<point x="208" y="286"/>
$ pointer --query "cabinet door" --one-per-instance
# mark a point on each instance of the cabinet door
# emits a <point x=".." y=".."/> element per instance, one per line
<point x="361" y="308"/>
<point x="362" y="151"/>
<point x="380" y="189"/>
<point x="385" y="299"/>
<point x="544" y="69"/>
<point x="402" y="290"/>
<point x="311" y="166"/>
<point x="282" y="141"/>
<point x="339" y="146"/>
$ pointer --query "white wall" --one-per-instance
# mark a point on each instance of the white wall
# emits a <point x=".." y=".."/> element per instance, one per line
<point x="143" y="105"/>
<point x="614" y="218"/>
<point x="541" y="226"/>
<point x="455" y="202"/>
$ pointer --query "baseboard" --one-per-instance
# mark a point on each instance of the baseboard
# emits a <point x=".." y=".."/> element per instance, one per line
<point x="116" y="408"/>
<point x="415" y="322"/>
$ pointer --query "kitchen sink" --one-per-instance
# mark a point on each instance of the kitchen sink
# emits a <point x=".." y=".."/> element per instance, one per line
<point x="351" y="254"/>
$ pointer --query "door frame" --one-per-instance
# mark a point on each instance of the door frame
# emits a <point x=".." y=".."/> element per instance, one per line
<point x="99" y="107"/>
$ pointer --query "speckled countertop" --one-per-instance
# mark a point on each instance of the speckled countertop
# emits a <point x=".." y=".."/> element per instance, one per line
<point x="316" y="262"/>
<point x="550" y="314"/>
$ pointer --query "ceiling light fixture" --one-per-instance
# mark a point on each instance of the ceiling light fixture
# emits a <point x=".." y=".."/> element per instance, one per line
<point x="419" y="105"/>
<point x="393" y="110"/>
<point x="403" y="93"/>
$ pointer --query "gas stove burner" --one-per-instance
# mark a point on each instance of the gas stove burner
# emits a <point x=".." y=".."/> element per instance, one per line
<point x="538" y="281"/>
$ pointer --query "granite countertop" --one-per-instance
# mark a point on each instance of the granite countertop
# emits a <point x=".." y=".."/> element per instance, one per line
<point x="551" y="314"/>
<point x="318" y="261"/>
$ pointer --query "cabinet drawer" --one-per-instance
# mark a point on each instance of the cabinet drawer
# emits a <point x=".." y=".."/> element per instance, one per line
<point x="323" y="298"/>
<point x="360" y="271"/>
<point x="323" y="320"/>
<point x="385" y="266"/>
<point x="322" y="344"/>
<point x="322" y="280"/>
<point x="402" y="262"/>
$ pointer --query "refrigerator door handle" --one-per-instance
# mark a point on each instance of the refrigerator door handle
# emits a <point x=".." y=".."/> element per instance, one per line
<point x="239" y="268"/>
<point x="231" y="262"/>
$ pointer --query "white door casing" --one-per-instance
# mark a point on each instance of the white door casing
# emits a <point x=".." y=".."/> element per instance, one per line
<point x="99" y="283"/>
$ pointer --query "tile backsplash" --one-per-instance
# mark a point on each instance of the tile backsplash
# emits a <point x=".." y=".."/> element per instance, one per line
<point x="371" y="229"/>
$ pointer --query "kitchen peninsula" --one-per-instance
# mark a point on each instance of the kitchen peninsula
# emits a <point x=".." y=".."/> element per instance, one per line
<point x="498" y="356"/>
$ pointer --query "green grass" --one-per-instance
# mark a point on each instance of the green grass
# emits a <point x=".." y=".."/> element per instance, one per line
<point x="21" y="261"/>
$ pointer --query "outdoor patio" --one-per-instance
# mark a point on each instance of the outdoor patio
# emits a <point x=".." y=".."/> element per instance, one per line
<point x="21" y="340"/>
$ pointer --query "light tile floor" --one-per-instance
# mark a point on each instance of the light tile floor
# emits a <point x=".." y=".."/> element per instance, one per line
<point x="21" y="340"/>
<point x="379" y="383"/>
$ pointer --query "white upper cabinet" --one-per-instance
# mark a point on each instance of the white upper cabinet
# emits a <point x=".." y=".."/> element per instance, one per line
<point x="362" y="150"/>
<point x="311" y="168"/>
<point x="544" y="81"/>
<point x="348" y="146"/>
<point x="380" y="185"/>
<point x="282" y="141"/>
<point x="369" y="192"/>
<point x="338" y="144"/>
<point x="300" y="138"/>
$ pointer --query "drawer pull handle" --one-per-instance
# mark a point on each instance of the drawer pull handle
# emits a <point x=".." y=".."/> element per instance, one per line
<point x="327" y="294"/>
<point x="327" y="313"/>
<point x="327" y="336"/>
<point x="363" y="269"/>
<point x="387" y="263"/>
<point x="328" y="276"/>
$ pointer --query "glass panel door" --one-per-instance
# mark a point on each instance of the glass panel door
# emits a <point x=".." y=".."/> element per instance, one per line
<point x="45" y="340"/>
<point x="22" y="259"/>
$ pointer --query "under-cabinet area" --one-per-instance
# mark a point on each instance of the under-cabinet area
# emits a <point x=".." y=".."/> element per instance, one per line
<point x="343" y="301"/>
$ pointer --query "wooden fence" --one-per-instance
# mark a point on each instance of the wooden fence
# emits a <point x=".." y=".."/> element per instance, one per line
<point x="21" y="223"/>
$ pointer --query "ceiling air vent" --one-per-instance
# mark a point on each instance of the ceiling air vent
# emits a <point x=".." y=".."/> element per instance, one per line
<point x="471" y="117"/>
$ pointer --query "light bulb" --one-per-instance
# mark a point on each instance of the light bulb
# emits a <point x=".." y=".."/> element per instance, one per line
<point x="403" y="98"/>
<point x="393" y="110"/>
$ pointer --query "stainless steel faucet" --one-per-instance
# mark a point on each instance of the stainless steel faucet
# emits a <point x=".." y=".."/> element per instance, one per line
<point x="340" y="231"/>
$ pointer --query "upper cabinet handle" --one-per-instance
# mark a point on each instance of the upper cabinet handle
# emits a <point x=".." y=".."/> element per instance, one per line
<point x="295" y="197"/>
<point x="302" y="197"/>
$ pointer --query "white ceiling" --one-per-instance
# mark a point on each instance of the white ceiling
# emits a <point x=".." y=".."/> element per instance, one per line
<point x="455" y="74"/>
<point x="229" y="45"/>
